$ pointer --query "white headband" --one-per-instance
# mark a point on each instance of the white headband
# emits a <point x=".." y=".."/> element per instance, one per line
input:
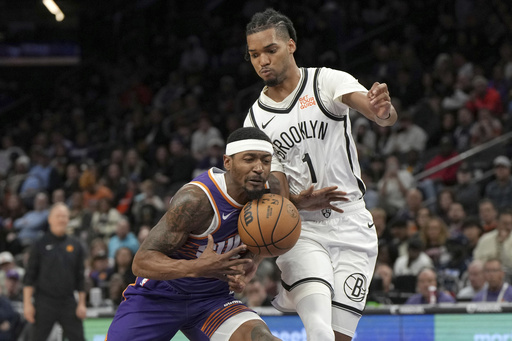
<point x="250" y="144"/>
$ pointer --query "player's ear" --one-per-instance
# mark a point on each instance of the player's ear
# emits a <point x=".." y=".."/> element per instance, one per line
<point x="227" y="162"/>
<point x="291" y="46"/>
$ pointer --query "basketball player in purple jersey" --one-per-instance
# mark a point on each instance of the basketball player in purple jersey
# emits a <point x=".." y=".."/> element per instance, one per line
<point x="184" y="263"/>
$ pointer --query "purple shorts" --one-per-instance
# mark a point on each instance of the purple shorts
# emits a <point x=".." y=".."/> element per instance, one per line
<point x="157" y="314"/>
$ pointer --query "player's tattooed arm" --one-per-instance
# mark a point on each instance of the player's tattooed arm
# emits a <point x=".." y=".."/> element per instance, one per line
<point x="190" y="212"/>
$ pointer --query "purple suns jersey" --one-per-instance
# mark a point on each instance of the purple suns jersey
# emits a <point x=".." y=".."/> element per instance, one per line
<point x="224" y="229"/>
<point x="155" y="310"/>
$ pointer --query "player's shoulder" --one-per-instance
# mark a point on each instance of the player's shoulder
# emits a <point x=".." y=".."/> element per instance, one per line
<point x="327" y="73"/>
<point x="190" y="197"/>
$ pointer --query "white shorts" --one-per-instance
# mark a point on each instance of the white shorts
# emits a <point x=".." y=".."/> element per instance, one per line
<point x="341" y="253"/>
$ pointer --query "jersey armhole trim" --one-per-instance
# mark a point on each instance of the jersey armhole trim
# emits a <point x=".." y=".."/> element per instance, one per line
<point x="321" y="105"/>
<point x="216" y="222"/>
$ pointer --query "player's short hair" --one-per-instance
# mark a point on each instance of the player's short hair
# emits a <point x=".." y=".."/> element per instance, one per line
<point x="248" y="133"/>
<point x="270" y="18"/>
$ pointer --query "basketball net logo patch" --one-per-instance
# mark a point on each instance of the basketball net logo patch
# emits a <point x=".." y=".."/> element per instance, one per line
<point x="355" y="287"/>
<point x="326" y="212"/>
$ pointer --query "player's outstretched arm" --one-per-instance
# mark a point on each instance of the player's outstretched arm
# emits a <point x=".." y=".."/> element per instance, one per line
<point x="313" y="200"/>
<point x="375" y="105"/>
<point x="189" y="212"/>
<point x="309" y="199"/>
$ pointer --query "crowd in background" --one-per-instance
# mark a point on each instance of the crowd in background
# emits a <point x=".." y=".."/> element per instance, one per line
<point x="121" y="133"/>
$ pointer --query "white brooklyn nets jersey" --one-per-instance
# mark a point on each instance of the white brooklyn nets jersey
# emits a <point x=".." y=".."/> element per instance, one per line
<point x="311" y="134"/>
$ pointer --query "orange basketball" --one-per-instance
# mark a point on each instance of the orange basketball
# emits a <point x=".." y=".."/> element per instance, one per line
<point x="269" y="226"/>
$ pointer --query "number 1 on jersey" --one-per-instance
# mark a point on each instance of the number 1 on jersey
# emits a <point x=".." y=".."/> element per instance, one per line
<point x="307" y="159"/>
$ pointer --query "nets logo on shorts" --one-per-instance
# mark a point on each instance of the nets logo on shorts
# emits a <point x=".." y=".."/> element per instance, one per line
<point x="326" y="212"/>
<point x="355" y="287"/>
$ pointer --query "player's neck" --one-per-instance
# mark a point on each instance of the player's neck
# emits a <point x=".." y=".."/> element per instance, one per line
<point x="279" y="92"/>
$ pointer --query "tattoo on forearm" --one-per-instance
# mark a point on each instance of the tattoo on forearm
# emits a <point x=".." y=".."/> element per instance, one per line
<point x="189" y="212"/>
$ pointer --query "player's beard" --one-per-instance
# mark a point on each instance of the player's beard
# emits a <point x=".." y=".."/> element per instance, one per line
<point x="278" y="79"/>
<point x="272" y="82"/>
<point x="255" y="193"/>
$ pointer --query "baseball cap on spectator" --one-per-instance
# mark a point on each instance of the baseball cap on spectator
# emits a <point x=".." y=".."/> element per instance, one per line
<point x="6" y="257"/>
<point x="502" y="161"/>
<point x="12" y="274"/>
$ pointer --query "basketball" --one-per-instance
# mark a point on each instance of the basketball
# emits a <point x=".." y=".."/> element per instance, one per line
<point x="269" y="226"/>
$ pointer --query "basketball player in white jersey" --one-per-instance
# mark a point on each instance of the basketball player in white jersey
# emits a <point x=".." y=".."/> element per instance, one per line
<point x="305" y="112"/>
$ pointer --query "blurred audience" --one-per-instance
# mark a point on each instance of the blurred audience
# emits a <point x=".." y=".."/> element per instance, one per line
<point x="497" y="289"/>
<point x="202" y="136"/>
<point x="485" y="128"/>
<point x="148" y="207"/>
<point x="476" y="281"/>
<point x="488" y="215"/>
<point x="434" y="238"/>
<point x="10" y="319"/>
<point x="497" y="243"/>
<point x="499" y="190"/>
<point x="472" y="231"/>
<point x="104" y="220"/>
<point x="393" y="186"/>
<point x="34" y="223"/>
<point x="456" y="216"/>
<point x="467" y="192"/>
<point x="415" y="259"/>
<point x="405" y="137"/>
<point x="445" y="176"/>
<point x="428" y="290"/>
<point x="42" y="177"/>
<point x="123" y="237"/>
<point x="92" y="190"/>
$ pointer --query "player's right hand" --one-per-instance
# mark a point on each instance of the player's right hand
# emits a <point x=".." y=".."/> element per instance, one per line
<point x="212" y="264"/>
<point x="313" y="200"/>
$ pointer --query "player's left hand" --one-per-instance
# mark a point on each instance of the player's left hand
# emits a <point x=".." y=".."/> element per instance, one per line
<point x="380" y="101"/>
<point x="237" y="283"/>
